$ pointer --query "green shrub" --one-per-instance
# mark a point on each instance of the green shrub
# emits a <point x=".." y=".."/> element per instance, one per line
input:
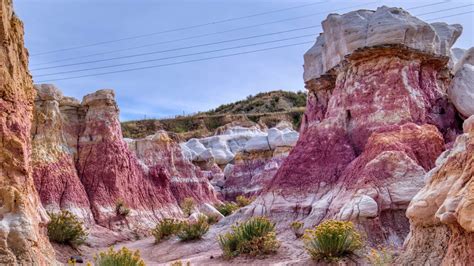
<point x="65" y="228"/>
<point x="121" y="209"/>
<point x="187" y="205"/>
<point x="122" y="257"/>
<point x="212" y="219"/>
<point x="166" y="228"/>
<point x="194" y="230"/>
<point x="227" y="208"/>
<point x="243" y="201"/>
<point x="297" y="228"/>
<point x="332" y="240"/>
<point x="254" y="237"/>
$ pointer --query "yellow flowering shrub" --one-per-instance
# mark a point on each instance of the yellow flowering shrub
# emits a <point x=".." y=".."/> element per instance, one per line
<point x="122" y="257"/>
<point x="243" y="201"/>
<point x="297" y="228"/>
<point x="253" y="237"/>
<point x="332" y="240"/>
<point x="193" y="230"/>
<point x="166" y="228"/>
<point x="381" y="256"/>
<point x="227" y="208"/>
<point x="65" y="228"/>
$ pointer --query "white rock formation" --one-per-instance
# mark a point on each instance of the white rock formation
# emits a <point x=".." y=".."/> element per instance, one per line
<point x="364" y="28"/>
<point x="223" y="148"/>
<point x="461" y="90"/>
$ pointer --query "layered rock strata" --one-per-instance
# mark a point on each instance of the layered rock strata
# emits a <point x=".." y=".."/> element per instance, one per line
<point x="22" y="218"/>
<point x="83" y="164"/>
<point x="377" y="118"/>
<point x="54" y="169"/>
<point x="442" y="214"/>
<point x="249" y="157"/>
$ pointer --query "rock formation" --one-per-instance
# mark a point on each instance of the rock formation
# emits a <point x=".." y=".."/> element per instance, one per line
<point x="162" y="158"/>
<point x="461" y="91"/>
<point x="249" y="156"/>
<point x="54" y="169"/>
<point x="377" y="118"/>
<point x="83" y="164"/>
<point x="442" y="214"/>
<point x="23" y="219"/>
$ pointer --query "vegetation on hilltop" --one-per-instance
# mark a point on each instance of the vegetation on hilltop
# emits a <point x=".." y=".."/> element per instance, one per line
<point x="266" y="108"/>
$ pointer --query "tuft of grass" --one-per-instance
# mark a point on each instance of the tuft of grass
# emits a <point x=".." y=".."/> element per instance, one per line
<point x="187" y="205"/>
<point x="297" y="228"/>
<point x="65" y="228"/>
<point x="332" y="240"/>
<point x="121" y="209"/>
<point x="194" y="230"/>
<point x="243" y="201"/>
<point x="165" y="229"/>
<point x="227" y="208"/>
<point x="122" y="256"/>
<point x="254" y="237"/>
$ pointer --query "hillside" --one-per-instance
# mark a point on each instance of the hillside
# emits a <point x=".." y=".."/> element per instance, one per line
<point x="266" y="108"/>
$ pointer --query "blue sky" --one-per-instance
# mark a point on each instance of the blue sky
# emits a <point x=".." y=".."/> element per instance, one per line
<point x="199" y="86"/>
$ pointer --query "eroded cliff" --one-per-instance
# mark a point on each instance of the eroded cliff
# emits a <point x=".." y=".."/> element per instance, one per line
<point x="22" y="217"/>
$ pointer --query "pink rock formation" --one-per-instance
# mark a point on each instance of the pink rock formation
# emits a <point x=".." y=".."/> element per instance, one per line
<point x="377" y="118"/>
<point x="54" y="168"/>
<point x="162" y="158"/>
<point x="22" y="218"/>
<point x="442" y="214"/>
<point x="82" y="163"/>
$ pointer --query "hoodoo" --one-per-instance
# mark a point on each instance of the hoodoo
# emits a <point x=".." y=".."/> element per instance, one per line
<point x="377" y="118"/>
<point x="83" y="164"/>
<point x="22" y="217"/>
<point x="442" y="212"/>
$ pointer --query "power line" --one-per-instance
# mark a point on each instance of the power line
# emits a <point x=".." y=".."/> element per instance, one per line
<point x="220" y="32"/>
<point x="177" y="49"/>
<point x="177" y="63"/>
<point x="180" y="29"/>
<point x="449" y="16"/>
<point x="443" y="10"/>
<point x="177" y="56"/>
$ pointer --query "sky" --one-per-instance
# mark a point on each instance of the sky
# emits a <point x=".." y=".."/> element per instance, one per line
<point x="177" y="89"/>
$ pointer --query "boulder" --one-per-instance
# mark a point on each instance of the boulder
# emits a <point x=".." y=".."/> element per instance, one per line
<point x="461" y="90"/>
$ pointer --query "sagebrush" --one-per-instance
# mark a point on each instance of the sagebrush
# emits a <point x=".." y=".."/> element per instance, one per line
<point x="254" y="237"/>
<point x="332" y="240"/>
<point x="243" y="201"/>
<point x="121" y="257"/>
<point x="194" y="230"/>
<point x="65" y="228"/>
<point x="165" y="229"/>
<point x="227" y="208"/>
